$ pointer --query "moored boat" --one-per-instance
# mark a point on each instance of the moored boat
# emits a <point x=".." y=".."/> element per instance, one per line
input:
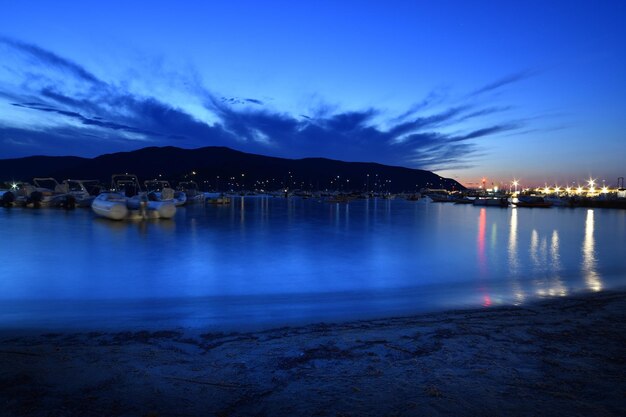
<point x="491" y="202"/>
<point x="7" y="198"/>
<point x="560" y="201"/>
<point x="83" y="191"/>
<point x="441" y="198"/>
<point x="340" y="198"/>
<point x="127" y="201"/>
<point x="192" y="192"/>
<point x="110" y="205"/>
<point x="218" y="200"/>
<point x="160" y="190"/>
<point x="532" y="201"/>
<point x="44" y="192"/>
<point x="463" y="200"/>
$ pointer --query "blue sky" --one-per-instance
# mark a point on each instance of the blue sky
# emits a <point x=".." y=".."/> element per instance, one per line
<point x="532" y="90"/>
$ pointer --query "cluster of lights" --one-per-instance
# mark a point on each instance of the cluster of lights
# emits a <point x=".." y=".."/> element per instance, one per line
<point x="591" y="188"/>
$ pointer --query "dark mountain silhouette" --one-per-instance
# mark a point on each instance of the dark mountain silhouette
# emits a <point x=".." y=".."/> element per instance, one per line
<point x="228" y="169"/>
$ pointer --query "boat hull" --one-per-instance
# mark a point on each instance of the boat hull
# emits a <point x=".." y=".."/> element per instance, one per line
<point x="491" y="202"/>
<point x="544" y="204"/>
<point x="110" y="206"/>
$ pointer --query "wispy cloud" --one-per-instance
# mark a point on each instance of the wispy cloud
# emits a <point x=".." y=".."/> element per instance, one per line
<point x="41" y="56"/>
<point x="509" y="79"/>
<point x="434" y="97"/>
<point x="104" y="117"/>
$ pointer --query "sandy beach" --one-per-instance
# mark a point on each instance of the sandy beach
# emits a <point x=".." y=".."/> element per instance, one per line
<point x="564" y="356"/>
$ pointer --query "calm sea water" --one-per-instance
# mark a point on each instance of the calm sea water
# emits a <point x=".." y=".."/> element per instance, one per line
<point x="264" y="262"/>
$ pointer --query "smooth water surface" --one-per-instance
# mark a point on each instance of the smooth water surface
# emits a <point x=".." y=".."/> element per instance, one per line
<point x="264" y="262"/>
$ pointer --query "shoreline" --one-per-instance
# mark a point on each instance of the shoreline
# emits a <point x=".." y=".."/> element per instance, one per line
<point x="564" y="356"/>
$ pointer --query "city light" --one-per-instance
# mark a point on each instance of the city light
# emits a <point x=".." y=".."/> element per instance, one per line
<point x="591" y="184"/>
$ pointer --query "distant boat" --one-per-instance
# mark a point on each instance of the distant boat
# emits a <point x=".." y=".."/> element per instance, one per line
<point x="219" y="200"/>
<point x="463" y="200"/>
<point x="192" y="191"/>
<point x="340" y="198"/>
<point x="532" y="201"/>
<point x="160" y="190"/>
<point x="560" y="201"/>
<point x="441" y="198"/>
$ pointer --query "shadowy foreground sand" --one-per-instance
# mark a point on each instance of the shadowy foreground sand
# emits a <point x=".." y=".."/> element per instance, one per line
<point x="558" y="357"/>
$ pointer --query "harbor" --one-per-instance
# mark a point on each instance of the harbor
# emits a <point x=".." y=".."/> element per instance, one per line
<point x="126" y="199"/>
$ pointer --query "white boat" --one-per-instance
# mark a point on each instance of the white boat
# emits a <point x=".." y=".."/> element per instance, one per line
<point x="127" y="201"/>
<point x="110" y="205"/>
<point x="115" y="206"/>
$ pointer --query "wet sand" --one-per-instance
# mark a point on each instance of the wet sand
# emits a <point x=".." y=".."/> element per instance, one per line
<point x="563" y="356"/>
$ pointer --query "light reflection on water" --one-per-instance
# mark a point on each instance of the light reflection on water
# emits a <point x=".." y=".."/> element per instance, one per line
<point x="514" y="266"/>
<point x="589" y="256"/>
<point x="270" y="261"/>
